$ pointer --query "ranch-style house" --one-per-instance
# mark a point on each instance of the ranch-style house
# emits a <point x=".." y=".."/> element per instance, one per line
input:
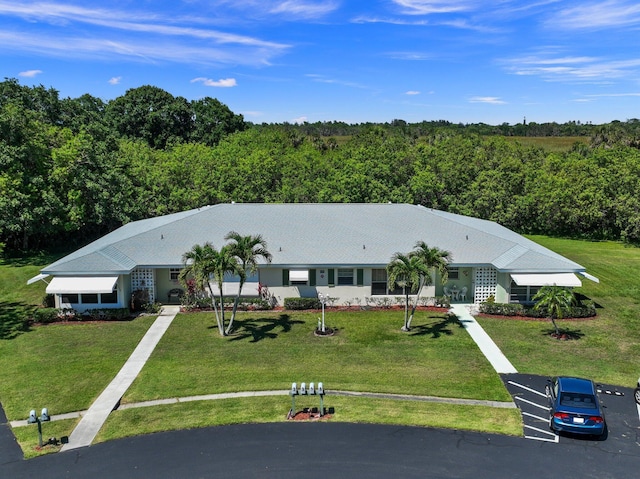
<point x="339" y="250"/>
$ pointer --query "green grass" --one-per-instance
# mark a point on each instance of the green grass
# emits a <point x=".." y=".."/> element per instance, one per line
<point x="552" y="144"/>
<point x="64" y="367"/>
<point x="271" y="350"/>
<point x="274" y="409"/>
<point x="27" y="436"/>
<point x="609" y="346"/>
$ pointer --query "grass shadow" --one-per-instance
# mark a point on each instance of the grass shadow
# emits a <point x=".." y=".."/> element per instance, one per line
<point x="438" y="328"/>
<point x="564" y="334"/>
<point x="14" y="319"/>
<point x="258" y="329"/>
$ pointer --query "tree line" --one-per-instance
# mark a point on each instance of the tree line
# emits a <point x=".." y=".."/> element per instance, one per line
<point x="74" y="169"/>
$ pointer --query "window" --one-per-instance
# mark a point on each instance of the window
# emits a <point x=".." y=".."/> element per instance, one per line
<point x="522" y="294"/>
<point x="109" y="298"/>
<point x="174" y="273"/>
<point x="379" y="284"/>
<point x="69" y="298"/>
<point x="345" y="276"/>
<point x="378" y="281"/>
<point x="454" y="273"/>
<point x="89" y="298"/>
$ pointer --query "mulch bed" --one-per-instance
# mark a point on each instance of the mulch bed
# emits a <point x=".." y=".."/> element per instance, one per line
<point x="307" y="415"/>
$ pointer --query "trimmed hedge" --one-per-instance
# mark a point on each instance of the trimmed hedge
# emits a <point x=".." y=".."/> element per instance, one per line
<point x="302" y="303"/>
<point x="244" y="304"/>
<point x="55" y="315"/>
<point x="586" y="309"/>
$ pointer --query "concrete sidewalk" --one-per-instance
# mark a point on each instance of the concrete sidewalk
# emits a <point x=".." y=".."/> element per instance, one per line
<point x="88" y="427"/>
<point x="497" y="359"/>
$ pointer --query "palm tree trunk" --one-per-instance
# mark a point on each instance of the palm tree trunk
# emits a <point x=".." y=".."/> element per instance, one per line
<point x="406" y="311"/>
<point x="215" y="308"/>
<point x="235" y="307"/>
<point x="415" y="303"/>
<point x="553" y="321"/>
<point x="221" y="326"/>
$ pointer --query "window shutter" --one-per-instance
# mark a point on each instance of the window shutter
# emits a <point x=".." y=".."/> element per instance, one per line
<point x="332" y="277"/>
<point x="360" y="276"/>
<point x="285" y="277"/>
<point x="312" y="277"/>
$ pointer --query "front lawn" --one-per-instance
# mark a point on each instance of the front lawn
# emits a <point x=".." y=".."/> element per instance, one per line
<point x="270" y="350"/>
<point x="608" y="350"/>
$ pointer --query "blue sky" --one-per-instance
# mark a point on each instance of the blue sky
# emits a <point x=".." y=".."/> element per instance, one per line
<point x="355" y="61"/>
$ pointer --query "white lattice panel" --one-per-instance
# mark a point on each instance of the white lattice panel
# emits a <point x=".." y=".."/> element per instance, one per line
<point x="486" y="281"/>
<point x="143" y="278"/>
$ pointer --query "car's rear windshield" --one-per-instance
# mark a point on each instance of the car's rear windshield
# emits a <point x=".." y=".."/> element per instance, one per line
<point x="586" y="401"/>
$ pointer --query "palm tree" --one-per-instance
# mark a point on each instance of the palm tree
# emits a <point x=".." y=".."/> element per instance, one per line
<point x="224" y="262"/>
<point x="203" y="262"/>
<point x="198" y="264"/>
<point x="433" y="259"/>
<point x="246" y="250"/>
<point x="405" y="271"/>
<point x="556" y="300"/>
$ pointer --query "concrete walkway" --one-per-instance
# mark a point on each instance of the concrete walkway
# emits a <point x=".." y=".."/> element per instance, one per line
<point x="91" y="422"/>
<point x="497" y="359"/>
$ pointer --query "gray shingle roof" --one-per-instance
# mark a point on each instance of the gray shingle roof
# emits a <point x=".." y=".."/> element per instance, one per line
<point x="314" y="235"/>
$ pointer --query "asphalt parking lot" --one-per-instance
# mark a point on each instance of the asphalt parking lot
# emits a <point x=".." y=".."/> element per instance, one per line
<point x="621" y="413"/>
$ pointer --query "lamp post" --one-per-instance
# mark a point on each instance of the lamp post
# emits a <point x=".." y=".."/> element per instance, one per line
<point x="323" y="299"/>
<point x="33" y="419"/>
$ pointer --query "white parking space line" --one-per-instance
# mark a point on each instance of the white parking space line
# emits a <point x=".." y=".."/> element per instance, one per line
<point x="532" y="403"/>
<point x="638" y="408"/>
<point x="542" y="431"/>
<point x="528" y="389"/>
<point x="543" y="419"/>
<point x="536" y="438"/>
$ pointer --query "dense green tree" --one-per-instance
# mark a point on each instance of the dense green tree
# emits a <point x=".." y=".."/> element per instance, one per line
<point x="151" y="114"/>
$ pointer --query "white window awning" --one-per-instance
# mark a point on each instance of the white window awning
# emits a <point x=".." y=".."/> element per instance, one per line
<point x="37" y="278"/>
<point x="82" y="284"/>
<point x="547" y="279"/>
<point x="299" y="275"/>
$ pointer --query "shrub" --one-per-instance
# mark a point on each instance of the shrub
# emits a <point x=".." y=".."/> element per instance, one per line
<point x="302" y="303"/>
<point x="107" y="314"/>
<point x="586" y="309"/>
<point x="502" y="309"/>
<point x="46" y="315"/>
<point x="48" y="301"/>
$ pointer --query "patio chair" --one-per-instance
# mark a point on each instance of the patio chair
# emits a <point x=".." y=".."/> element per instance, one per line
<point x="447" y="293"/>
<point x="462" y="295"/>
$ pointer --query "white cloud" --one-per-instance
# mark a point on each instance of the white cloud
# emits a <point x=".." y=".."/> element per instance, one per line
<point x="596" y="15"/>
<point x="300" y="119"/>
<point x="572" y="69"/>
<point x="412" y="92"/>
<point x="222" y="83"/>
<point x="142" y="36"/>
<point x="304" y="8"/>
<point x="30" y="73"/>
<point x="492" y="100"/>
<point x="427" y="7"/>
<point x="115" y="80"/>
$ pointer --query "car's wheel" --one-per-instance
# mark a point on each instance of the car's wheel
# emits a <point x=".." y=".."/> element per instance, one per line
<point x="636" y="395"/>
